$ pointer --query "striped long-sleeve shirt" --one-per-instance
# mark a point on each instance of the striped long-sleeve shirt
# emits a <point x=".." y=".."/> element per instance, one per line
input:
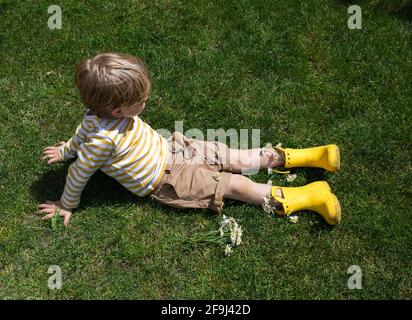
<point x="126" y="149"/>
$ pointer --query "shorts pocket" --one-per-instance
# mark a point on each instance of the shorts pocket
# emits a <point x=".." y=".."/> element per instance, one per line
<point x="167" y="192"/>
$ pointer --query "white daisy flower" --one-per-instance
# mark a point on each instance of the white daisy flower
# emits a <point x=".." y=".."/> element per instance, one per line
<point x="267" y="207"/>
<point x="233" y="238"/>
<point x="239" y="236"/>
<point x="233" y="224"/>
<point x="291" y="177"/>
<point x="221" y="231"/>
<point x="228" y="250"/>
<point x="224" y="222"/>
<point x="230" y="225"/>
<point x="293" y="219"/>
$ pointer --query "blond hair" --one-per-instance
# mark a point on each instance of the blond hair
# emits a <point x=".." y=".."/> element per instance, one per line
<point x="112" y="80"/>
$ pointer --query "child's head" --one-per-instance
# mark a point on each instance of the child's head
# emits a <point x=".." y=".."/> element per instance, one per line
<point x="113" y="85"/>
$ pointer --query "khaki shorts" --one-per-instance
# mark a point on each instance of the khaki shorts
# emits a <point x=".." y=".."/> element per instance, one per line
<point x="196" y="175"/>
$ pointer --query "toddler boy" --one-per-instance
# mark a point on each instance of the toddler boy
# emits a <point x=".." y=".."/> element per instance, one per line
<point x="177" y="171"/>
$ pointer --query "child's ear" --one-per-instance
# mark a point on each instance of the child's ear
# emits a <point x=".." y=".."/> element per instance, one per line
<point x="117" y="113"/>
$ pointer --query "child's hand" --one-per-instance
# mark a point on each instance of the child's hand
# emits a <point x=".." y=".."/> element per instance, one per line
<point x="52" y="153"/>
<point x="50" y="207"/>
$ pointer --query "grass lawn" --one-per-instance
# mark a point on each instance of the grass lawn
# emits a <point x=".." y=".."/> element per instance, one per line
<point x="292" y="69"/>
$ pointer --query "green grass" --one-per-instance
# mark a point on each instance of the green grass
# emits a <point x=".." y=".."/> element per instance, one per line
<point x="292" y="69"/>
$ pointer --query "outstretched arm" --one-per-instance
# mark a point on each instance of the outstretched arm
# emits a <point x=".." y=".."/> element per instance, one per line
<point x="91" y="156"/>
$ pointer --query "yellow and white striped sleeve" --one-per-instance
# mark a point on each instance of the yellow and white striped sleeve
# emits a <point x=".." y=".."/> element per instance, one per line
<point x="91" y="156"/>
<point x="70" y="148"/>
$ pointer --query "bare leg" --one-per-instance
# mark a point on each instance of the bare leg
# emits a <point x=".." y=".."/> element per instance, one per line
<point x="243" y="189"/>
<point x="250" y="159"/>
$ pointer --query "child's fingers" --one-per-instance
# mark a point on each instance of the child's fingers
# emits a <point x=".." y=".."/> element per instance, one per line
<point x="48" y="210"/>
<point x="67" y="219"/>
<point x="52" y="160"/>
<point x="46" y="204"/>
<point x="51" y="157"/>
<point x="50" y="153"/>
<point x="48" y="216"/>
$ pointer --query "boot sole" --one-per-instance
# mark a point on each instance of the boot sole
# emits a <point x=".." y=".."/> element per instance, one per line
<point x="338" y="211"/>
<point x="336" y="154"/>
<point x="337" y="158"/>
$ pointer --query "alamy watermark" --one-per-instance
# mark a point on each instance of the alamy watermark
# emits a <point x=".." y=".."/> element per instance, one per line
<point x="55" y="20"/>
<point x="354" y="21"/>
<point x="55" y="280"/>
<point x="238" y="139"/>
<point x="355" y="18"/>
<point x="355" y="280"/>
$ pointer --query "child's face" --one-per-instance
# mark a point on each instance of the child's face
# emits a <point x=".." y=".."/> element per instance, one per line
<point x="129" y="112"/>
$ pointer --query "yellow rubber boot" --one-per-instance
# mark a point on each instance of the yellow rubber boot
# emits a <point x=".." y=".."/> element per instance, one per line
<point x="315" y="196"/>
<point x="326" y="157"/>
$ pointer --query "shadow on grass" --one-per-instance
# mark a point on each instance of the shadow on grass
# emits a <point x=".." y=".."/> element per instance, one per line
<point x="101" y="190"/>
<point x="314" y="174"/>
